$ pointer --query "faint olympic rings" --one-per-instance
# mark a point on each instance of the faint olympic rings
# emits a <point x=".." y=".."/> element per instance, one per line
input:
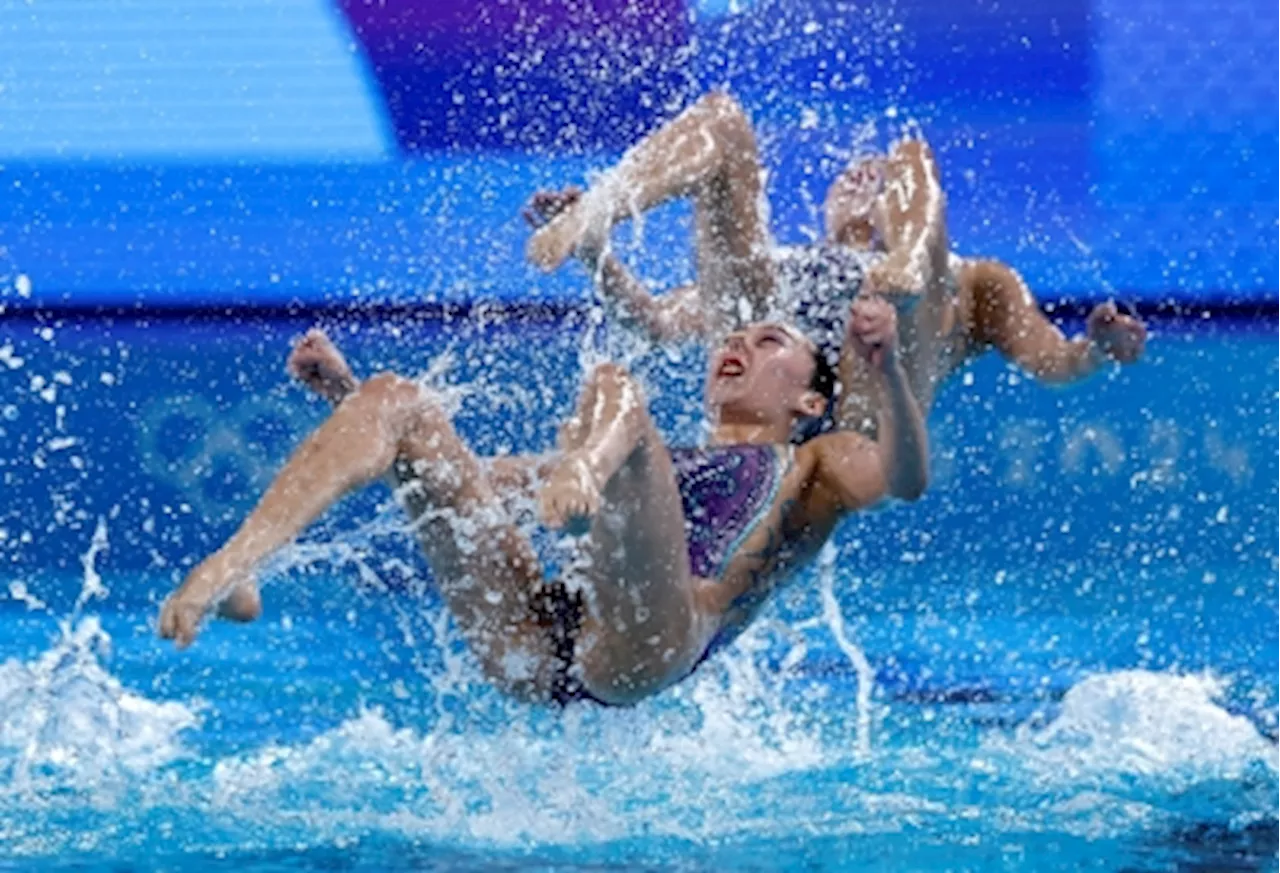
<point x="217" y="459"/>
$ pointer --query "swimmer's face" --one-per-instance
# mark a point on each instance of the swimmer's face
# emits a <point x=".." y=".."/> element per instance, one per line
<point x="761" y="375"/>
<point x="849" y="208"/>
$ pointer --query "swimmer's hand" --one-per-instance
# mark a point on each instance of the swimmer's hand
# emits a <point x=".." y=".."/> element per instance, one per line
<point x="183" y="610"/>
<point x="873" y="331"/>
<point x="1119" y="337"/>
<point x="570" y="496"/>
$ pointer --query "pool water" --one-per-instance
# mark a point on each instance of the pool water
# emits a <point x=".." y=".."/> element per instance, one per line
<point x="1073" y="635"/>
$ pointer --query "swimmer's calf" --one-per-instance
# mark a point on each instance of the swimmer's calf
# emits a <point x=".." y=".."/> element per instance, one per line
<point x="315" y="362"/>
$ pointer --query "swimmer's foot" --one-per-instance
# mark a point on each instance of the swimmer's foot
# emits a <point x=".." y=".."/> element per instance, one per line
<point x="316" y="362"/>
<point x="570" y="497"/>
<point x="851" y="203"/>
<point x="896" y="282"/>
<point x="577" y="228"/>
<point x="182" y="612"/>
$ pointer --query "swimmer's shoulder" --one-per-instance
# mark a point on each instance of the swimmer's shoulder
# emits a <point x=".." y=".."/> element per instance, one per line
<point x="838" y="472"/>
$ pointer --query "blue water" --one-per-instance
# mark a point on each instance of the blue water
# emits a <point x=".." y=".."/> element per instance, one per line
<point x="1074" y="635"/>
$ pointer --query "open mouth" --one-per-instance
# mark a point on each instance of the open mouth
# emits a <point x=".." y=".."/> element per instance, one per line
<point x="731" y="366"/>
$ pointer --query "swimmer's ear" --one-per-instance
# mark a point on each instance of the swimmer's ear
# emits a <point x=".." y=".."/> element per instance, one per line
<point x="812" y="404"/>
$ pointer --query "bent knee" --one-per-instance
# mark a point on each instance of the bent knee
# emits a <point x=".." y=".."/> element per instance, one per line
<point x="386" y="386"/>
<point x="721" y="103"/>
<point x="732" y="126"/>
<point x="915" y="152"/>
<point x="387" y="396"/>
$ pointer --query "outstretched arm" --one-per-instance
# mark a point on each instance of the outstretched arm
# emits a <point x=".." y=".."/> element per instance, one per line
<point x="1006" y="316"/>
<point x="861" y="471"/>
<point x="674" y="317"/>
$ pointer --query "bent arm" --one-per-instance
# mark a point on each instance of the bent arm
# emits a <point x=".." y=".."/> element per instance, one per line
<point x="860" y="471"/>
<point x="1006" y="316"/>
<point x="904" y="442"/>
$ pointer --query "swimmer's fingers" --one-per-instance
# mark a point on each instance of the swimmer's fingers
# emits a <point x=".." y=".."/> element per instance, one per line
<point x="873" y="320"/>
<point x="304" y="351"/>
<point x="1102" y="314"/>
<point x="1130" y="341"/>
<point x="873" y="329"/>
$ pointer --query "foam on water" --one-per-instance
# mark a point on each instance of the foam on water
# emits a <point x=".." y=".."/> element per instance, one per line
<point x="74" y="742"/>
<point x="686" y="767"/>
<point x="729" y="756"/>
<point x="722" y="758"/>
<point x="1145" y="725"/>
<point x="65" y="717"/>
<point x="1133" y="747"/>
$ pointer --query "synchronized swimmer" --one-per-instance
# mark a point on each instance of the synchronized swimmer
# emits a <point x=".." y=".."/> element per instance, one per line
<point x="684" y="544"/>
<point x="886" y="234"/>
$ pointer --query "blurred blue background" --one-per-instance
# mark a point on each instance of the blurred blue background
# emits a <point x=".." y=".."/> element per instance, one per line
<point x="287" y="152"/>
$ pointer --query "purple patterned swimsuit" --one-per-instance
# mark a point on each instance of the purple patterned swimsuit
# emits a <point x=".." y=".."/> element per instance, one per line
<point x="725" y="491"/>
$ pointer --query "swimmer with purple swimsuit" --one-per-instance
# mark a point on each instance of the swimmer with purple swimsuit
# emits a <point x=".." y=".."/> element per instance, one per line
<point x="681" y="546"/>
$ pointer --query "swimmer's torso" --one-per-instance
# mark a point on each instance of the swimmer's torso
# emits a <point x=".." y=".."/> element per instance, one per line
<point x="783" y="536"/>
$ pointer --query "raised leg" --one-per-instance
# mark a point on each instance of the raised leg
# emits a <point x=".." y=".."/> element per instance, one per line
<point x="486" y="570"/>
<point x="316" y="363"/>
<point x="708" y="153"/>
<point x="915" y="274"/>
<point x="641" y="629"/>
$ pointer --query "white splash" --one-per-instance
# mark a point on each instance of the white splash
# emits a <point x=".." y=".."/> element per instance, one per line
<point x="91" y="586"/>
<point x="862" y="667"/>
<point x="65" y="719"/>
<point x="1159" y="728"/>
<point x="699" y="767"/>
